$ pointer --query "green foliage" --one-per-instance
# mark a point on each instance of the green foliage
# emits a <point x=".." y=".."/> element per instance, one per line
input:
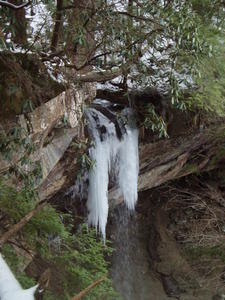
<point x="83" y="260"/>
<point x="163" y="44"/>
<point x="79" y="258"/>
<point x="155" y="122"/>
<point x="16" y="140"/>
<point x="210" y="95"/>
<point x="208" y="83"/>
<point x="17" y="143"/>
<point x="85" y="163"/>
<point x="153" y="40"/>
<point x="27" y="106"/>
<point x="14" y="205"/>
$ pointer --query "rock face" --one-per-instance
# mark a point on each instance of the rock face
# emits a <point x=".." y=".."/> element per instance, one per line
<point x="155" y="236"/>
<point x="172" y="246"/>
<point x="47" y="130"/>
<point x="185" y="152"/>
<point x="172" y="158"/>
<point x="53" y="125"/>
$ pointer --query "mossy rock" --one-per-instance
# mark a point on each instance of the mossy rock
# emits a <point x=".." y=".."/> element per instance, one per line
<point x="24" y="83"/>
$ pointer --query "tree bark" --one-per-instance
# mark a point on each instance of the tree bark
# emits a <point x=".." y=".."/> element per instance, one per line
<point x="81" y="47"/>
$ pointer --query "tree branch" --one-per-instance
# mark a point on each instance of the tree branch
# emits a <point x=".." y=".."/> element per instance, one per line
<point x="91" y="286"/>
<point x="13" y="6"/>
<point x="126" y="47"/>
<point x="15" y="228"/>
<point x="141" y="18"/>
<point x="98" y="76"/>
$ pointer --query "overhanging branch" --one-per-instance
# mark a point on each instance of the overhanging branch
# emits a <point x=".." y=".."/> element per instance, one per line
<point x="98" y="76"/>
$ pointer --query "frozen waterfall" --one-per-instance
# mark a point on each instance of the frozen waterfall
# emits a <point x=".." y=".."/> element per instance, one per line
<point x="115" y="153"/>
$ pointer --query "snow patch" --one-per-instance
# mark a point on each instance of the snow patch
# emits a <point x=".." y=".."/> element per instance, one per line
<point x="10" y="289"/>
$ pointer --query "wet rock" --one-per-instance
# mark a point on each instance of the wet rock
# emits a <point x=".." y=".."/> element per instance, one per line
<point x="171" y="286"/>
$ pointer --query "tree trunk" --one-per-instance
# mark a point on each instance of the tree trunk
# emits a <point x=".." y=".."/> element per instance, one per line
<point x="80" y="45"/>
<point x="19" y="23"/>
<point x="57" y="27"/>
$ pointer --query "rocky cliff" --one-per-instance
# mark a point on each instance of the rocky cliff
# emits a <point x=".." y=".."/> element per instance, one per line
<point x="183" y="260"/>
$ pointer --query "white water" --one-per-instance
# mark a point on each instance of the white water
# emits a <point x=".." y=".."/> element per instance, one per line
<point x="10" y="289"/>
<point x="111" y="155"/>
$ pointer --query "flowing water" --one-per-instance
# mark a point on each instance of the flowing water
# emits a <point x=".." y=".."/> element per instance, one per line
<point x="130" y="266"/>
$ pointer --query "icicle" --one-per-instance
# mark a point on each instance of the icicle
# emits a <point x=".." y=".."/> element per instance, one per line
<point x="111" y="155"/>
<point x="129" y="167"/>
<point x="98" y="187"/>
<point x="10" y="289"/>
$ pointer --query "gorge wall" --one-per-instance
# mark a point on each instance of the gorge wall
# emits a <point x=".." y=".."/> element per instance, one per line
<point x="166" y="166"/>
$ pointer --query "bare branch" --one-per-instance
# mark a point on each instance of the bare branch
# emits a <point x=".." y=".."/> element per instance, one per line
<point x="91" y="286"/>
<point x="13" y="6"/>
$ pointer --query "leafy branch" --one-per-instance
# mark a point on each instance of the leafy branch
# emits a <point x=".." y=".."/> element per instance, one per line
<point x="154" y="122"/>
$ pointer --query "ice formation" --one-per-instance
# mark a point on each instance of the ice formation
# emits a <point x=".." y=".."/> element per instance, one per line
<point x="112" y="154"/>
<point x="10" y="289"/>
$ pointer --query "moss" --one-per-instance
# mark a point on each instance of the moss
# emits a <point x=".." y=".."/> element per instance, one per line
<point x="188" y="168"/>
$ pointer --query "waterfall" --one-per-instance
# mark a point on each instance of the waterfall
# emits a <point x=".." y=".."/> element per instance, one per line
<point x="115" y="152"/>
<point x="10" y="289"/>
<point x="130" y="270"/>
